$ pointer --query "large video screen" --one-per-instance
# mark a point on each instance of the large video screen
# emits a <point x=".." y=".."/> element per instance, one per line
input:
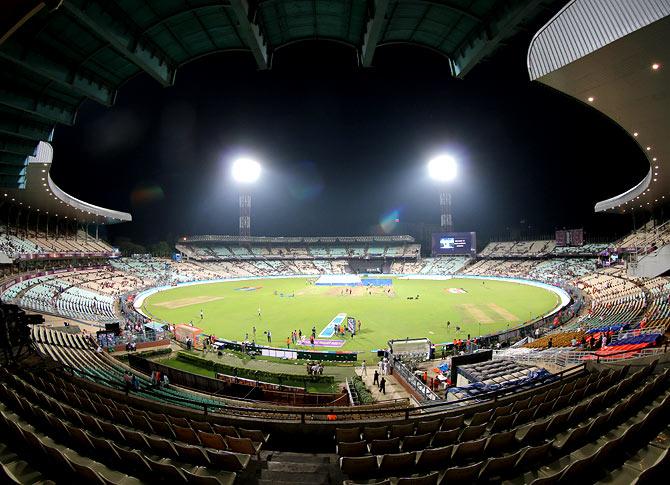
<point x="448" y="243"/>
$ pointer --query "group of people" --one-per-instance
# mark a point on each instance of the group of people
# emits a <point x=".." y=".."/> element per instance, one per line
<point x="159" y="379"/>
<point x="314" y="368"/>
<point x="131" y="382"/>
<point x="383" y="368"/>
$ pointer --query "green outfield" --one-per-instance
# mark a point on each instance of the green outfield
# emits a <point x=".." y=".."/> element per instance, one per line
<point x="230" y="309"/>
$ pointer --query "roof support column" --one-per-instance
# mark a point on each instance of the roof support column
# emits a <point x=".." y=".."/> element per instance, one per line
<point x="373" y="32"/>
<point x="250" y="32"/>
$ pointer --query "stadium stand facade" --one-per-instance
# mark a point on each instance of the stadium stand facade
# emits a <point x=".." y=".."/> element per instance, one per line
<point x="581" y="397"/>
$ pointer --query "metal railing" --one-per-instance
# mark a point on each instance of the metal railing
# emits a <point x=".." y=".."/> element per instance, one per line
<point x="425" y="392"/>
<point x="358" y="413"/>
<point x="573" y="357"/>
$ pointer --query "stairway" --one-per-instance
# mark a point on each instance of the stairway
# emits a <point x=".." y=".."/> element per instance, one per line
<point x="286" y="468"/>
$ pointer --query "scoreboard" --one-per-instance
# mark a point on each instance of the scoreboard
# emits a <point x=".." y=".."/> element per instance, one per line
<point x="454" y="243"/>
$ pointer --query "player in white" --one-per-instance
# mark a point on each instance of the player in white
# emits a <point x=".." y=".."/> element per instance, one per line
<point x="259" y="312"/>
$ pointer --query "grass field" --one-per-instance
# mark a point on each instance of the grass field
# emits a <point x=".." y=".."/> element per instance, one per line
<point x="484" y="307"/>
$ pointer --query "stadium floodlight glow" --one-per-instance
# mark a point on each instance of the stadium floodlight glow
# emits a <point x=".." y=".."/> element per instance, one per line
<point x="246" y="170"/>
<point x="442" y="168"/>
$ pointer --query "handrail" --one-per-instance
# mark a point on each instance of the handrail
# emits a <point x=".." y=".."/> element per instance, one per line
<point x="342" y="414"/>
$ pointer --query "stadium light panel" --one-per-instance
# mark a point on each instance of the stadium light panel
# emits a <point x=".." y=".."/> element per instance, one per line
<point x="246" y="170"/>
<point x="442" y="168"/>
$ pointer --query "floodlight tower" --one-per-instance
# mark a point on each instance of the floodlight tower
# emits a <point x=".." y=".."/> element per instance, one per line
<point x="245" y="172"/>
<point x="443" y="170"/>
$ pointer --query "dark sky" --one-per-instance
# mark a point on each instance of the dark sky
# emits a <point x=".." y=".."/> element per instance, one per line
<point x="341" y="147"/>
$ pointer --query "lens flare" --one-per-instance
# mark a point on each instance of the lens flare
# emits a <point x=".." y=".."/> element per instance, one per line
<point x="146" y="194"/>
<point x="389" y="221"/>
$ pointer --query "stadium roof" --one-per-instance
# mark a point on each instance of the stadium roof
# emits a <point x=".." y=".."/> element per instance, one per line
<point x="40" y="194"/>
<point x="213" y="238"/>
<point x="615" y="57"/>
<point x="54" y="54"/>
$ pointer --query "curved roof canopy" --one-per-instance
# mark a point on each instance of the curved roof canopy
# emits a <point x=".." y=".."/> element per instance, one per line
<point x="614" y="55"/>
<point x="39" y="194"/>
<point x="56" y="53"/>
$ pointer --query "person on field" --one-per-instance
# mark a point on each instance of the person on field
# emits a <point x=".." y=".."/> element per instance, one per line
<point x="375" y="378"/>
<point x="364" y="370"/>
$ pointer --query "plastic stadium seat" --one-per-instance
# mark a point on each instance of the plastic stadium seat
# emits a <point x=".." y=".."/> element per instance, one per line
<point x="226" y="430"/>
<point x="381" y="447"/>
<point x="533" y="433"/>
<point x="470" y="433"/>
<point x="532" y="455"/>
<point x="416" y="443"/>
<point x="480" y="418"/>
<point x="469" y="450"/>
<point x="212" y="440"/>
<point x="134" y="461"/>
<point x="167" y="472"/>
<point x="162" y="428"/>
<point x="243" y="445"/>
<point x="375" y="433"/>
<point x="402" y="430"/>
<point x="254" y="435"/>
<point x="451" y="422"/>
<point x="359" y="467"/>
<point x="187" y="435"/>
<point x="443" y="438"/>
<point x="427" y="426"/>
<point x="464" y="474"/>
<point x="347" y="435"/>
<point x="435" y="458"/>
<point x="225" y="460"/>
<point x="499" y="468"/>
<point x="430" y="479"/>
<point x="162" y="447"/>
<point x="358" y="448"/>
<point x="201" y="426"/>
<point x="397" y="464"/>
<point x="500" y="443"/>
<point x="502" y="423"/>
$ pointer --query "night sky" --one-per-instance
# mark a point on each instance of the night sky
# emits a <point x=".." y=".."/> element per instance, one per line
<point x="343" y="147"/>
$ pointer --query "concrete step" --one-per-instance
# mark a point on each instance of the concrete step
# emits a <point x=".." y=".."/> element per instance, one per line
<point x="284" y="466"/>
<point x="290" y="457"/>
<point x="295" y="477"/>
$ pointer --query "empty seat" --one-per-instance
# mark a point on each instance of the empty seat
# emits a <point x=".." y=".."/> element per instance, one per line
<point x="187" y="435"/>
<point x="427" y="426"/>
<point x="375" y="433"/>
<point x="480" y="418"/>
<point x="469" y="450"/>
<point x="470" y="433"/>
<point x="429" y="479"/>
<point x="358" y="448"/>
<point x="225" y="460"/>
<point x="498" y="468"/>
<point x="254" y="435"/>
<point x="381" y="447"/>
<point x="416" y="443"/>
<point x="435" y="458"/>
<point x="243" y="445"/>
<point x="451" y="422"/>
<point x="500" y="443"/>
<point x="397" y="464"/>
<point x="347" y="435"/>
<point x="225" y="430"/>
<point x="443" y="438"/>
<point x="212" y="440"/>
<point x="463" y="474"/>
<point x="402" y="430"/>
<point x="359" y="467"/>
